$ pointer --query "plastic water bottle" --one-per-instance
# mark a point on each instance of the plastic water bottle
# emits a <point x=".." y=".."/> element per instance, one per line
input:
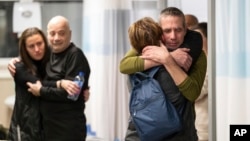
<point x="79" y="80"/>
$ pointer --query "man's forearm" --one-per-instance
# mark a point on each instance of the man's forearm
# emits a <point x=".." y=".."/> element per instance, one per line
<point x="175" y="70"/>
<point x="131" y="63"/>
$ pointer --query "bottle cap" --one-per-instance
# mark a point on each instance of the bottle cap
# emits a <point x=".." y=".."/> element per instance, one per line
<point x="81" y="73"/>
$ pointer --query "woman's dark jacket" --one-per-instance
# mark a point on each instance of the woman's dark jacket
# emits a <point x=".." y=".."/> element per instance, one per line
<point x="26" y="113"/>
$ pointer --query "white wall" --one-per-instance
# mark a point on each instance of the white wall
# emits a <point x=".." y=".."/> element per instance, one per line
<point x="6" y="89"/>
<point x="195" y="7"/>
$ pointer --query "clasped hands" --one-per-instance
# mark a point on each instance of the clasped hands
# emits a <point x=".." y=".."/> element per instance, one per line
<point x="70" y="86"/>
<point x="160" y="55"/>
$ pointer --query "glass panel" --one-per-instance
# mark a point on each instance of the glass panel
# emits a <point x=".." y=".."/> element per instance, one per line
<point x="72" y="10"/>
<point x="8" y="39"/>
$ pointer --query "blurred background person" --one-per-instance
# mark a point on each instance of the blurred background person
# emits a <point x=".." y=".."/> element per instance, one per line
<point x="191" y="20"/>
<point x="62" y="118"/>
<point x="201" y="104"/>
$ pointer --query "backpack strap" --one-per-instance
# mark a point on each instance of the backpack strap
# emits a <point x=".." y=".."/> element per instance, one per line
<point x="137" y="77"/>
<point x="152" y="71"/>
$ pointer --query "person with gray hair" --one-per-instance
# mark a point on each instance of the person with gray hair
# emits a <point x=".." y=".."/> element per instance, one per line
<point x="176" y="36"/>
<point x="201" y="103"/>
<point x="63" y="119"/>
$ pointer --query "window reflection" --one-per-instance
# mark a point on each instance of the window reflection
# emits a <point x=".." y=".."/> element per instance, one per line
<point x="8" y="39"/>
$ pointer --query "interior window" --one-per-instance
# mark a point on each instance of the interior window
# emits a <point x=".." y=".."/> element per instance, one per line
<point x="8" y="39"/>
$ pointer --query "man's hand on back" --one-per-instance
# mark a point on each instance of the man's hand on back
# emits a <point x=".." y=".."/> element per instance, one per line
<point x="182" y="58"/>
<point x="158" y="54"/>
<point x="11" y="65"/>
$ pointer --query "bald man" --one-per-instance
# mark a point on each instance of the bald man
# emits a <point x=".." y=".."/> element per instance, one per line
<point x="62" y="119"/>
<point x="191" y="20"/>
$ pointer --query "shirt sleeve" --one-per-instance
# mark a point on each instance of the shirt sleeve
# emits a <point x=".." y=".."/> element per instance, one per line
<point x="49" y="83"/>
<point x="131" y="63"/>
<point x="52" y="93"/>
<point x="192" y="85"/>
<point x="77" y="62"/>
<point x="73" y="63"/>
<point x="204" y="90"/>
<point x="23" y="76"/>
<point x="193" y="41"/>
